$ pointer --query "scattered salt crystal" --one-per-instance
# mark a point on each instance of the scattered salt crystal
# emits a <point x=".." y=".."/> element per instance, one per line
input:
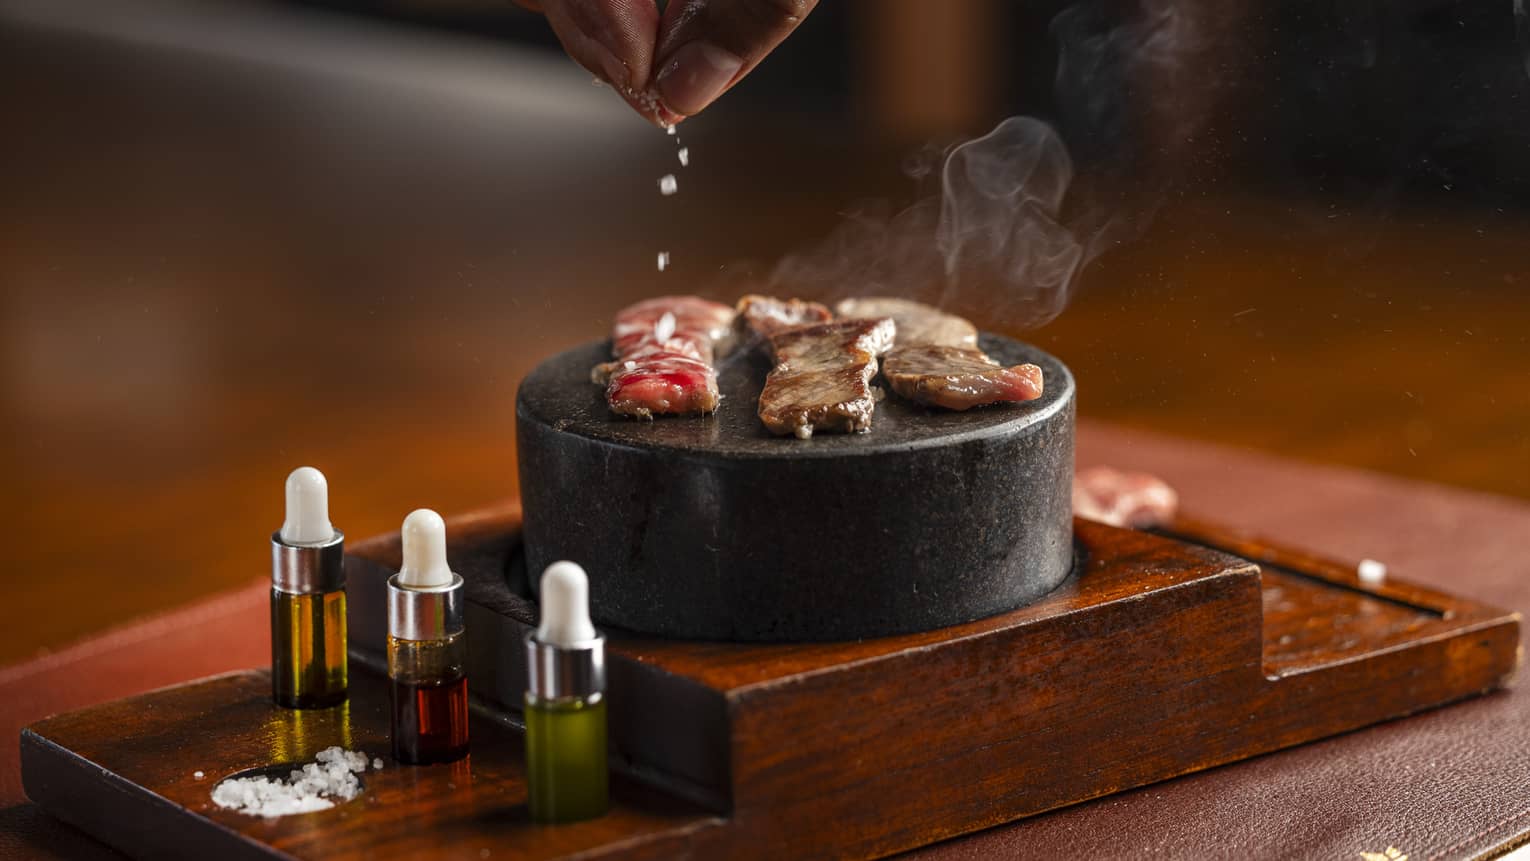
<point x="665" y="328"/>
<point x="1371" y="572"/>
<point x="684" y="154"/>
<point x="646" y="101"/>
<point x="663" y="260"/>
<point x="377" y="764"/>
<point x="197" y="775"/>
<point x="312" y="787"/>
<point x="667" y="184"/>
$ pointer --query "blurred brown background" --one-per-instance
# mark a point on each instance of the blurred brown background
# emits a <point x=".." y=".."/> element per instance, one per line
<point x="237" y="237"/>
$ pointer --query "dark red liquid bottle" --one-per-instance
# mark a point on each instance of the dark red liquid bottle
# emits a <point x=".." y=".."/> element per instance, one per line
<point x="430" y="721"/>
<point x="427" y="648"/>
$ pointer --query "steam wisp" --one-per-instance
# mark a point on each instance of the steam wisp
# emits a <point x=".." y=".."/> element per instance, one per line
<point x="1007" y="230"/>
<point x="1000" y="219"/>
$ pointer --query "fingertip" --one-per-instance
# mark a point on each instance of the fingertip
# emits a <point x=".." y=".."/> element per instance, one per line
<point x="695" y="76"/>
<point x="665" y="117"/>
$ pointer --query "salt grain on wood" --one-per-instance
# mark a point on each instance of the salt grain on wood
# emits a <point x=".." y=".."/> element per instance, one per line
<point x="1371" y="572"/>
<point x="313" y="787"/>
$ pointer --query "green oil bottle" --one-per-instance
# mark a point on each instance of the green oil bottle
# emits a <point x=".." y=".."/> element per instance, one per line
<point x="566" y="770"/>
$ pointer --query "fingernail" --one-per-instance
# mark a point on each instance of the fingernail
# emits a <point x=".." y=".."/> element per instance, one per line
<point x="695" y="75"/>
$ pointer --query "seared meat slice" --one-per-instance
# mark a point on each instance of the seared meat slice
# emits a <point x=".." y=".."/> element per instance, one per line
<point x="917" y="322"/>
<point x="937" y="361"/>
<point x="1134" y="499"/>
<point x="760" y="317"/>
<point x="664" y="350"/>
<point x="957" y="378"/>
<point x="822" y="378"/>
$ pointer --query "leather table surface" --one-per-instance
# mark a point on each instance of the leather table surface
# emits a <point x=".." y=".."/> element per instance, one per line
<point x="1453" y="783"/>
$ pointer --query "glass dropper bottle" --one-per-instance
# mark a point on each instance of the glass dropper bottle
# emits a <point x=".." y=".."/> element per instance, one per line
<point x="427" y="648"/>
<point x="308" y="643"/>
<point x="566" y="703"/>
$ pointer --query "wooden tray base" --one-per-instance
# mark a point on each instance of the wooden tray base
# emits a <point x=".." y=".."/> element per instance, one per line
<point x="1158" y="658"/>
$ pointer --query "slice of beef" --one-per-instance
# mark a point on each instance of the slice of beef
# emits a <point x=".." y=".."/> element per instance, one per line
<point x="957" y="378"/>
<point x="917" y="322"/>
<point x="705" y="326"/>
<point x="1134" y="499"/>
<point x="664" y="350"/>
<point x="760" y="317"/>
<point x="822" y="378"/>
<point x="937" y="361"/>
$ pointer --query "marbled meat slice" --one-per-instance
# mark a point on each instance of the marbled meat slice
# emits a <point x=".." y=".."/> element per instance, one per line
<point x="957" y="378"/>
<point x="760" y="317"/>
<point x="664" y="350"/>
<point x="1134" y="499"/>
<point x="705" y="326"/>
<point x="917" y="322"/>
<point x="937" y="361"/>
<point x="822" y="378"/>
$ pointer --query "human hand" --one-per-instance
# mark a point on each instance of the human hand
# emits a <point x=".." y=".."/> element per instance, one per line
<point x="672" y="65"/>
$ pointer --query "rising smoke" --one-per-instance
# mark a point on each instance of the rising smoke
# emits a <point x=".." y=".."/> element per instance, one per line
<point x="1009" y="230"/>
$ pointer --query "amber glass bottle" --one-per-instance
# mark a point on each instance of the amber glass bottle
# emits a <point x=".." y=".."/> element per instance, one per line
<point x="308" y="642"/>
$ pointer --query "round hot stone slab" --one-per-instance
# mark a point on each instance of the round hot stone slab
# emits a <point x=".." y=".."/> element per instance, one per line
<point x="714" y="528"/>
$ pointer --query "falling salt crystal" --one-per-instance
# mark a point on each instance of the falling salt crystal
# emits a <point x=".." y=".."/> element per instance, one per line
<point x="669" y="130"/>
<point x="665" y="328"/>
<point x="684" y="154"/>
<point x="1371" y="572"/>
<point x="667" y="184"/>
<point x="663" y="260"/>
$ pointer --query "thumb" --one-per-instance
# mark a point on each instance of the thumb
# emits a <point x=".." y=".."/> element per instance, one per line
<point x="706" y="46"/>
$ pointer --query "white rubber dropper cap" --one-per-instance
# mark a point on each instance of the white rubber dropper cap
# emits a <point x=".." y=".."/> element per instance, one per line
<point x="565" y="606"/>
<point x="425" y="567"/>
<point x="307" y="508"/>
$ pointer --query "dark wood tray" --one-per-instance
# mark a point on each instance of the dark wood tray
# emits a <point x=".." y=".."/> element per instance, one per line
<point x="1157" y="659"/>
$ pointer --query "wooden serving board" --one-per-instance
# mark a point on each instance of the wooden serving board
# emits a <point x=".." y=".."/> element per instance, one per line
<point x="1157" y="659"/>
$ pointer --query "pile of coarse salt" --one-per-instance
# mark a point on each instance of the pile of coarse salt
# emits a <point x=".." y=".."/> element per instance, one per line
<point x="313" y="787"/>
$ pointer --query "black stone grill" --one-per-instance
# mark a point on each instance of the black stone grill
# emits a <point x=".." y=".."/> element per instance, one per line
<point x="714" y="528"/>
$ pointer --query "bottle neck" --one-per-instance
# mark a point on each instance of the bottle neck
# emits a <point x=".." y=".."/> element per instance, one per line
<point x="560" y="671"/>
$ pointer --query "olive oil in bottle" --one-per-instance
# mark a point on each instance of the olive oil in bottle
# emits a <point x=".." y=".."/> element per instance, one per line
<point x="308" y="639"/>
<point x="566" y="769"/>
